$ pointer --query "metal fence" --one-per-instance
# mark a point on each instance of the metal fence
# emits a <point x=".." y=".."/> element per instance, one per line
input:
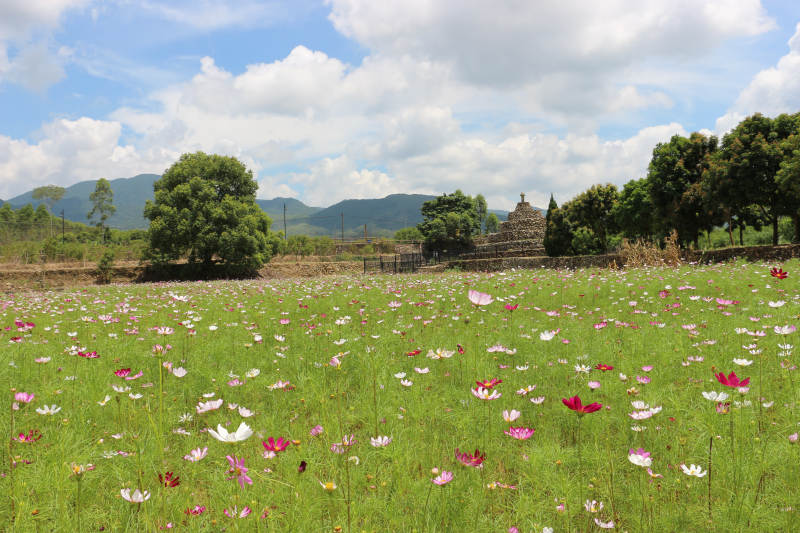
<point x="395" y="263"/>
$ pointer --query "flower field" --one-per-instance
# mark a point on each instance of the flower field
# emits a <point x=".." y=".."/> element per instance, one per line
<point x="649" y="399"/>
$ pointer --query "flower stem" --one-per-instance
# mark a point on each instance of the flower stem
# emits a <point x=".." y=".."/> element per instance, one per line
<point x="710" y="447"/>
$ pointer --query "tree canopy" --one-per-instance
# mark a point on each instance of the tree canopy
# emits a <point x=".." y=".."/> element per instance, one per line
<point x="449" y="222"/>
<point x="102" y="204"/>
<point x="205" y="210"/>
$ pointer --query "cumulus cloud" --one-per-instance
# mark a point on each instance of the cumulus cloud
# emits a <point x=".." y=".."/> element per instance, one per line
<point x="514" y="42"/>
<point x="70" y="151"/>
<point x="772" y="91"/>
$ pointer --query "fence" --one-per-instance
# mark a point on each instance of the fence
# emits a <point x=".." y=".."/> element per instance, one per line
<point x="395" y="263"/>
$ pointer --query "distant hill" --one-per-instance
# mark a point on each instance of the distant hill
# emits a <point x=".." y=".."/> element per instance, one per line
<point x="383" y="216"/>
<point x="130" y="195"/>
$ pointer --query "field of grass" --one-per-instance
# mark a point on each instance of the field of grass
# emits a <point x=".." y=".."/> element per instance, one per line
<point x="109" y="391"/>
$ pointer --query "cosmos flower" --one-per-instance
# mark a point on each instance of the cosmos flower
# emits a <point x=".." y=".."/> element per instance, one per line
<point x="510" y="416"/>
<point x="693" y="470"/>
<point x="715" y="396"/>
<point x="221" y="434"/>
<point x="485" y="394"/>
<point x="470" y="459"/>
<point x="444" y="478"/>
<point x="576" y="405"/>
<point x="238" y="470"/>
<point x="732" y="380"/>
<point x="639" y="457"/>
<point x="48" y="409"/>
<point x="169" y="480"/>
<point x="489" y="383"/>
<point x="479" y="298"/>
<point x="520" y="433"/>
<point x="136" y="497"/>
<point x="271" y="445"/>
<point x="211" y="405"/>
<point x="236" y="513"/>
<point x="380" y="441"/>
<point x="329" y="486"/>
<point x="776" y="272"/>
<point x="196" y="455"/>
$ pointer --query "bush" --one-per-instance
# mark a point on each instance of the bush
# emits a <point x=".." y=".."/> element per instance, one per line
<point x="105" y="267"/>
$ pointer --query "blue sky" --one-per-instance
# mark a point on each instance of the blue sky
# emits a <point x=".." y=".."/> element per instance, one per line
<point x="326" y="100"/>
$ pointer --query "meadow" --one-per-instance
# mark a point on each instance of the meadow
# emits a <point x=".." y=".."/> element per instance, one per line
<point x="407" y="403"/>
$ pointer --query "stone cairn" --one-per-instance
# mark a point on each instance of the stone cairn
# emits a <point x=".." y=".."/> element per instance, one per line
<point x="522" y="234"/>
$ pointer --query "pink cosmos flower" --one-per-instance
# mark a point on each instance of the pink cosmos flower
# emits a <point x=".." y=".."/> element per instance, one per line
<point x="239" y="471"/>
<point x="479" y="298"/>
<point x="444" y="478"/>
<point x="236" y="513"/>
<point x="485" y="394"/>
<point x="732" y="380"/>
<point x="520" y="433"/>
<point x="316" y="430"/>
<point x="196" y="455"/>
<point x="272" y="445"/>
<point x="24" y="397"/>
<point x="470" y="459"/>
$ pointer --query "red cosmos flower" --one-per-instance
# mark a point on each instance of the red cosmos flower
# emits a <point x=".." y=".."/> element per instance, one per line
<point x="460" y="349"/>
<point x="196" y="510"/>
<point x="489" y="383"/>
<point x="122" y="372"/>
<point x="575" y="404"/>
<point x="89" y="355"/>
<point x="271" y="445"/>
<point x="468" y="459"/>
<point x="604" y="368"/>
<point x="169" y="480"/>
<point x="732" y="380"/>
<point x="32" y="436"/>
<point x="413" y="353"/>
<point x="510" y="307"/>
<point x="778" y="273"/>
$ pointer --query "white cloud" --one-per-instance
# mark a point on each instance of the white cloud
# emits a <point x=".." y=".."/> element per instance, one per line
<point x="18" y="18"/>
<point x="333" y="179"/>
<point x="216" y="14"/>
<point x="507" y="43"/>
<point x="70" y="151"/>
<point x="772" y="91"/>
<point x="35" y="67"/>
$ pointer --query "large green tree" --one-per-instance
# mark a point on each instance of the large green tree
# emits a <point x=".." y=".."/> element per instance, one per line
<point x="102" y="204"/>
<point x="745" y="169"/>
<point x="205" y="210"/>
<point x="558" y="234"/>
<point x="593" y="210"/>
<point x="675" y="168"/>
<point x="50" y="194"/>
<point x="449" y="222"/>
<point x="788" y="179"/>
<point x="633" y="213"/>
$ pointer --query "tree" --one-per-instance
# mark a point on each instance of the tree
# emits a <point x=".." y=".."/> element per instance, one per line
<point x="449" y="222"/>
<point x="408" y="234"/>
<point x="674" y="168"/>
<point x="481" y="210"/>
<point x="50" y="194"/>
<point x="205" y="209"/>
<point x="558" y="233"/>
<point x="746" y="166"/>
<point x="492" y="223"/>
<point x="593" y="209"/>
<point x="788" y="179"/>
<point x="633" y="213"/>
<point x="102" y="204"/>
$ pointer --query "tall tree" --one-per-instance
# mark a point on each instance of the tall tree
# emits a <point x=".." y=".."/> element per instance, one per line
<point x="745" y="168"/>
<point x="633" y="213"/>
<point x="205" y="209"/>
<point x="102" y="204"/>
<point x="492" y="223"/>
<point x="674" y="168"/>
<point x="481" y="210"/>
<point x="593" y="209"/>
<point x="449" y="222"/>
<point x="788" y="179"/>
<point x="558" y="234"/>
<point x="50" y="194"/>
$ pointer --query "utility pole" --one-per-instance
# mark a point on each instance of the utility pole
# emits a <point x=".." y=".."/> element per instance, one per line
<point x="365" y="233"/>
<point x="62" y="226"/>
<point x="342" y="227"/>
<point x="285" y="236"/>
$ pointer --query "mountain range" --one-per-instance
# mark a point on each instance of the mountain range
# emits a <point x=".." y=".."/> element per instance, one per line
<point x="382" y="216"/>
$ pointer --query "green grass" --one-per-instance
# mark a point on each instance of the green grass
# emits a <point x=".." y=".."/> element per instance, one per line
<point x="753" y="482"/>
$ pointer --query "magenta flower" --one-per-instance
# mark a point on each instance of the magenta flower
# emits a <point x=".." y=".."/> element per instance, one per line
<point x="239" y="472"/>
<point x="520" y="433"/>
<point x="479" y="298"/>
<point x="236" y="513"/>
<point x="732" y="380"/>
<point x="576" y="405"/>
<point x="24" y="397"/>
<point x="471" y="459"/>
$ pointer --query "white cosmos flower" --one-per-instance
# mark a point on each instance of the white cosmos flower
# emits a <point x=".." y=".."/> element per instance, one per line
<point x="120" y="389"/>
<point x="539" y="400"/>
<point x="547" y="335"/>
<point x="137" y="496"/>
<point x="715" y="396"/>
<point x="221" y="434"/>
<point x="510" y="416"/>
<point x="179" y="372"/>
<point x="253" y="372"/>
<point x="48" y="409"/>
<point x="693" y="470"/>
<point x="211" y="405"/>
<point x="245" y="412"/>
<point x="400" y="375"/>
<point x="406" y="382"/>
<point x="380" y="442"/>
<point x="785" y="330"/>
<point x="640" y="460"/>
<point x="134" y="396"/>
<point x="421" y="370"/>
<point x="638" y="404"/>
<point x="743" y="362"/>
<point x="104" y="400"/>
<point x="779" y="303"/>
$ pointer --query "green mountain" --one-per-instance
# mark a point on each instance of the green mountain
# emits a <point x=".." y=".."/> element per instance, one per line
<point x="382" y="216"/>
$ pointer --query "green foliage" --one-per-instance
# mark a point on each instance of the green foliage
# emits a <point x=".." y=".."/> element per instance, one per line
<point x="558" y="234"/>
<point x="300" y="245"/>
<point x="674" y="182"/>
<point x="408" y="234"/>
<point x="323" y="246"/>
<point x="481" y="210"/>
<point x="492" y="223"/>
<point x="449" y="222"/>
<point x="592" y="210"/>
<point x="50" y="194"/>
<point x="205" y="209"/>
<point x="633" y="213"/>
<point x="105" y="267"/>
<point x="102" y="204"/>
<point x="788" y="180"/>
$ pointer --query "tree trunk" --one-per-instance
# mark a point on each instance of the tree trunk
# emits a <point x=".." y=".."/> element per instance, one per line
<point x="775" y="231"/>
<point x="741" y="234"/>
<point x="730" y="229"/>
